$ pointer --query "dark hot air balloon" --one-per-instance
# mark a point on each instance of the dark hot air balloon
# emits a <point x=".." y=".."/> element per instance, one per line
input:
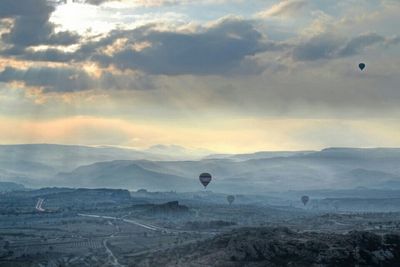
<point x="230" y="199"/>
<point x="361" y="66"/>
<point x="205" y="179"/>
<point x="305" y="200"/>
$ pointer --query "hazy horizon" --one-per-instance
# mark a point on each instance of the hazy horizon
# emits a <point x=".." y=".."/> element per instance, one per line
<point x="197" y="151"/>
<point x="224" y="76"/>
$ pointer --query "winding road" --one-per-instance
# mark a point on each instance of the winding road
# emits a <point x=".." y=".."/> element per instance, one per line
<point x="113" y="260"/>
<point x="143" y="225"/>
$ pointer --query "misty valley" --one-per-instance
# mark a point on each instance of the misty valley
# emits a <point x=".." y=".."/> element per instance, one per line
<point x="199" y="133"/>
<point x="334" y="207"/>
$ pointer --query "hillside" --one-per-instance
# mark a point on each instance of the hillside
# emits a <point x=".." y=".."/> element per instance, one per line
<point x="123" y="174"/>
<point x="75" y="166"/>
<point x="282" y="247"/>
<point x="9" y="186"/>
<point x="35" y="165"/>
<point x="330" y="168"/>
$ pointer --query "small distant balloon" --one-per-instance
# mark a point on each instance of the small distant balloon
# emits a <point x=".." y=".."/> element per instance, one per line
<point x="361" y="66"/>
<point x="205" y="179"/>
<point x="305" y="199"/>
<point x="230" y="199"/>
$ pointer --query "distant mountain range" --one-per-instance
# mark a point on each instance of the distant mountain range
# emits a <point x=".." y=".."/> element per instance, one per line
<point x="258" y="155"/>
<point x="45" y="160"/>
<point x="79" y="166"/>
<point x="10" y="186"/>
<point x="123" y="174"/>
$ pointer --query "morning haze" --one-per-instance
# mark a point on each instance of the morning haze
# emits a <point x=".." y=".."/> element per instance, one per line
<point x="199" y="133"/>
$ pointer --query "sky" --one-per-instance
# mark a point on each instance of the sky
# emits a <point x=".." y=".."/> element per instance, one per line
<point x="224" y="76"/>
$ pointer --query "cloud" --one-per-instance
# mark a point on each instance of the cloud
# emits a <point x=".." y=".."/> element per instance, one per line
<point x="130" y="81"/>
<point x="318" y="47"/>
<point x="96" y="2"/>
<point x="146" y="3"/>
<point x="283" y="8"/>
<point x="217" y="49"/>
<point x="226" y="46"/>
<point x="69" y="79"/>
<point x="328" y="46"/>
<point x="31" y="24"/>
<point x="49" y="55"/>
<point x="357" y="44"/>
<point x="50" y="79"/>
<point x="223" y="47"/>
<point x="133" y="2"/>
<point x="155" y="3"/>
<point x="393" y="40"/>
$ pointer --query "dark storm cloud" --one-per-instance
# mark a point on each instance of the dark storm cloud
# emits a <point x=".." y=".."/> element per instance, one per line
<point x="216" y="50"/>
<point x="328" y="46"/>
<point x="31" y="24"/>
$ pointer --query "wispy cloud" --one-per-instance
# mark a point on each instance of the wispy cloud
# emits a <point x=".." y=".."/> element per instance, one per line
<point x="283" y="8"/>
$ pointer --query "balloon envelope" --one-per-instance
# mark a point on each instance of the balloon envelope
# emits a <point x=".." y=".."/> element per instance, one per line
<point x="230" y="199"/>
<point x="361" y="66"/>
<point x="205" y="179"/>
<point x="305" y="199"/>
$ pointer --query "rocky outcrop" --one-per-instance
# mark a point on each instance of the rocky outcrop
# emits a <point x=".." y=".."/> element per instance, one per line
<point x="283" y="247"/>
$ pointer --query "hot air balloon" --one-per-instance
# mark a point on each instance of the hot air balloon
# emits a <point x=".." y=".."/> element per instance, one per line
<point x="305" y="200"/>
<point x="361" y="66"/>
<point x="205" y="179"/>
<point x="230" y="199"/>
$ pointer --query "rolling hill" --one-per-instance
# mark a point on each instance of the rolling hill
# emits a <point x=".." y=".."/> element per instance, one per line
<point x="75" y="166"/>
<point x="123" y="174"/>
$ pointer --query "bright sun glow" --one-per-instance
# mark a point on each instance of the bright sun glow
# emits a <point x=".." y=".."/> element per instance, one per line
<point x="82" y="18"/>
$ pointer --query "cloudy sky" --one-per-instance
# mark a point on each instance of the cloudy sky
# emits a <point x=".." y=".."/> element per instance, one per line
<point x="227" y="76"/>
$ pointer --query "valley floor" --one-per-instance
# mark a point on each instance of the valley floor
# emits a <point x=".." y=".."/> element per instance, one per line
<point x="116" y="230"/>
